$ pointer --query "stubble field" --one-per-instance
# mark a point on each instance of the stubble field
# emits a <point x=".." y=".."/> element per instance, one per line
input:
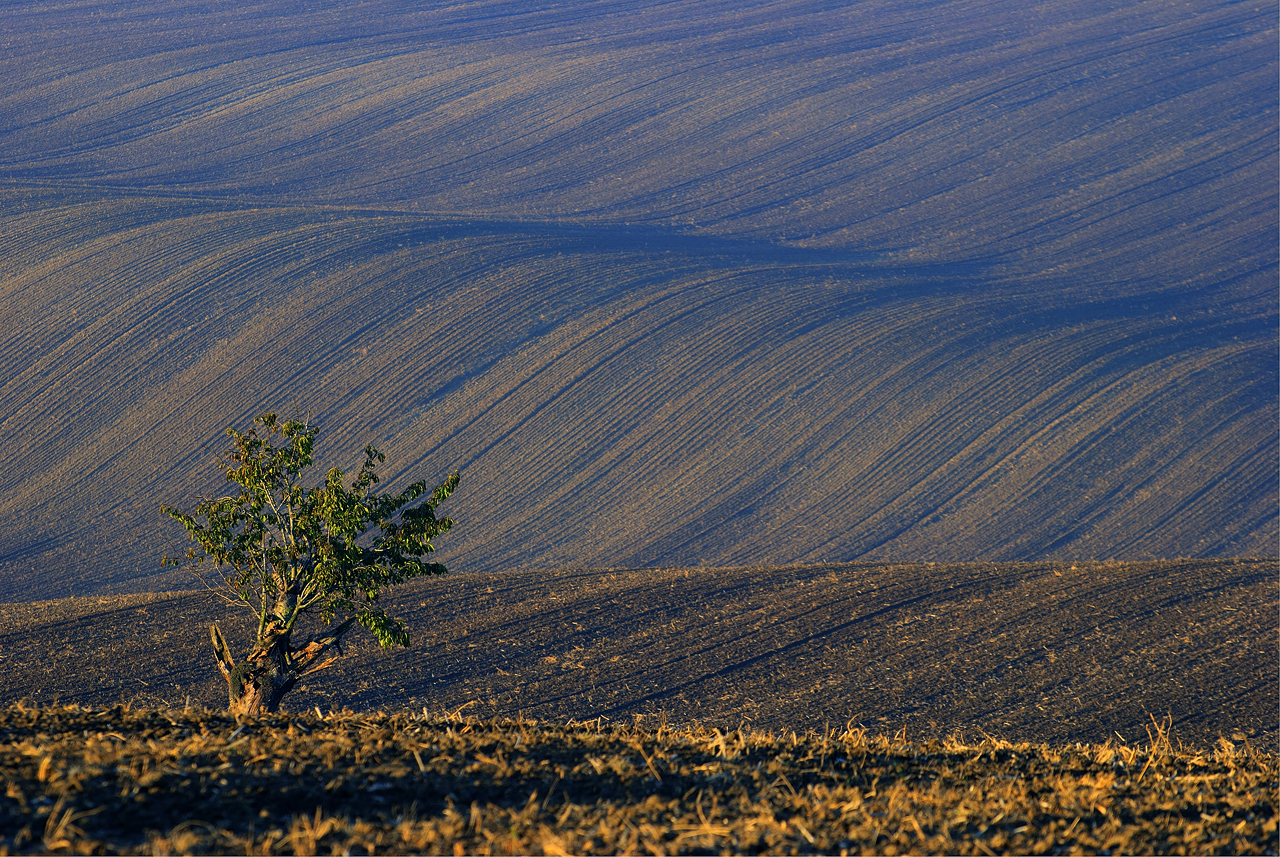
<point x="162" y="782"/>
<point x="968" y="709"/>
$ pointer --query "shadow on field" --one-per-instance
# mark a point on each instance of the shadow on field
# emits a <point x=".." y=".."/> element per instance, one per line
<point x="1044" y="652"/>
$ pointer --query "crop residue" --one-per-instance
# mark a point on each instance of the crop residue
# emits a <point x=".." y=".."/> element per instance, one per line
<point x="119" y="780"/>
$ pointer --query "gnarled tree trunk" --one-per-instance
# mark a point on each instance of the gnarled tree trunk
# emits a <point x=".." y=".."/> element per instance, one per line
<point x="272" y="667"/>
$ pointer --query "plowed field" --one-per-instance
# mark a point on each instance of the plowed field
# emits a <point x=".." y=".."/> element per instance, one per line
<point x="1041" y="652"/>
<point x="1117" y="139"/>
<point x="612" y="398"/>
<point x="697" y="283"/>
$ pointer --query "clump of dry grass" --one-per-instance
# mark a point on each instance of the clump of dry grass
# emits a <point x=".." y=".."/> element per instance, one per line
<point x="168" y="782"/>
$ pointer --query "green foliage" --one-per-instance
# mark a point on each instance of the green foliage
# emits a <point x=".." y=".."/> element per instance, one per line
<point x="286" y="550"/>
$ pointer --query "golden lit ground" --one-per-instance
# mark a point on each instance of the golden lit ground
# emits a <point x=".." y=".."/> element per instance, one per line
<point x="188" y="781"/>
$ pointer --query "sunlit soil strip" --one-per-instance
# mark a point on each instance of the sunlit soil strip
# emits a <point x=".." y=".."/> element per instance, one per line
<point x="86" y="781"/>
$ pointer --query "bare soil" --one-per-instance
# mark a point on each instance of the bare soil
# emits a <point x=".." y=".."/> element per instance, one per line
<point x="703" y="283"/>
<point x="1040" y="652"/>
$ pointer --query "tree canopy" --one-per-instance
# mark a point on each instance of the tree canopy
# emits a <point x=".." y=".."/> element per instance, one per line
<point x="285" y="550"/>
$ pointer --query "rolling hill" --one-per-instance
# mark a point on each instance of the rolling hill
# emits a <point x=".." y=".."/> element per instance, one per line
<point x="671" y="284"/>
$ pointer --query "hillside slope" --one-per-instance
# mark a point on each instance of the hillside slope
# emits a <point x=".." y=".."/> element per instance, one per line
<point x="612" y="403"/>
<point x="1124" y="140"/>
<point x="1044" y="652"/>
<point x="687" y="283"/>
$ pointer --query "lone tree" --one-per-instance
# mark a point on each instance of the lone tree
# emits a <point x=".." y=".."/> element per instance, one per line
<point x="284" y="551"/>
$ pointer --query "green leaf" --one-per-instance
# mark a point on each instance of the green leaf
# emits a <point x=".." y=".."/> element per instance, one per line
<point x="286" y="550"/>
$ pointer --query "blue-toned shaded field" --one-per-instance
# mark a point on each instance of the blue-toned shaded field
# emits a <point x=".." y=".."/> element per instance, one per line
<point x="675" y="284"/>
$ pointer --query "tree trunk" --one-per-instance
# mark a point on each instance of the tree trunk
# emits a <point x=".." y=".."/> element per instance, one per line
<point x="272" y="668"/>
<point x="263" y="678"/>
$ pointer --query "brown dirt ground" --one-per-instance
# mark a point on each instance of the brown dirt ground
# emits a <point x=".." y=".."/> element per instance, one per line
<point x="1042" y="652"/>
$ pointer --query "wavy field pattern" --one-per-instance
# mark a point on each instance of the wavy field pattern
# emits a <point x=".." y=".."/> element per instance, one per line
<point x="610" y="406"/>
<point x="673" y="284"/>
<point x="949" y="129"/>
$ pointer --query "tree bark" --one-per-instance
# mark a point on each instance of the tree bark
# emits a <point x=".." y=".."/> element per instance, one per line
<point x="272" y="667"/>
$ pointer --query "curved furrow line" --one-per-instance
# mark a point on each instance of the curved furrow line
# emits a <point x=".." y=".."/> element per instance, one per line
<point x="584" y="610"/>
<point x="703" y="496"/>
<point x="117" y="339"/>
<point x="729" y="345"/>
<point x="622" y="457"/>
<point x="175" y="98"/>
<point x="317" y="101"/>
<point x="1046" y="482"/>
<point x="749" y="344"/>
<point x="982" y="393"/>
<point x="1054" y="470"/>
<point x="947" y="194"/>
<point x="215" y="282"/>
<point x="77" y="436"/>
<point x="1244" y="477"/>
<point x="56" y="226"/>
<point x="1102" y="209"/>
<point x="1127" y="401"/>
<point x="599" y="317"/>
<point x="617" y="404"/>
<point x="721" y="180"/>
<point x="801" y="347"/>
<point x="728" y="603"/>
<point x="981" y="455"/>
<point x="33" y="283"/>
<point x="274" y="340"/>
<point x="989" y="455"/>
<point x="1226" y="452"/>
<point x="595" y="364"/>
<point x="445" y="86"/>
<point x="1234" y="529"/>
<point x="329" y="310"/>
<point x="1000" y="465"/>
<point x="496" y="315"/>
<point x="676" y="442"/>
<point x="584" y="359"/>
<point x="546" y="138"/>
<point x="182" y="90"/>
<point x="105" y="250"/>
<point x="890" y="393"/>
<point x="995" y="242"/>
<point x="967" y="100"/>
<point x="475" y="398"/>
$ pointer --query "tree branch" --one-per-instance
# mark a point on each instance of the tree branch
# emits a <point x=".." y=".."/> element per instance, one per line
<point x="304" y="661"/>
<point x="221" y="651"/>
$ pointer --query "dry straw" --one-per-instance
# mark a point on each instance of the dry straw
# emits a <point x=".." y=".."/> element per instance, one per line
<point x="193" y="781"/>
